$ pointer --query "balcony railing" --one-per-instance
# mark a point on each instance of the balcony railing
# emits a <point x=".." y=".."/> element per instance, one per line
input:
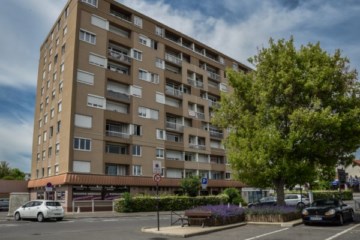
<point x="117" y="134"/>
<point x="119" y="56"/>
<point x="197" y="146"/>
<point x="116" y="68"/>
<point x="118" y="95"/>
<point x="216" y="134"/>
<point x="173" y="138"/>
<point x="173" y="91"/>
<point x="213" y="103"/>
<point x="175" y="126"/>
<point x="120" y="15"/>
<point x="173" y="59"/>
<point x="214" y="76"/>
<point x="195" y="83"/>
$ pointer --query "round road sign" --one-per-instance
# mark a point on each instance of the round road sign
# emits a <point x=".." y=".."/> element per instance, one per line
<point x="157" y="177"/>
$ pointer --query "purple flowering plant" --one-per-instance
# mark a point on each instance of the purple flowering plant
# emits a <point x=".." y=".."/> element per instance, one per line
<point x="268" y="210"/>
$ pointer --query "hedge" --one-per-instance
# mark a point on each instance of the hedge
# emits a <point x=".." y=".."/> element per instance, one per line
<point x="346" y="195"/>
<point x="166" y="203"/>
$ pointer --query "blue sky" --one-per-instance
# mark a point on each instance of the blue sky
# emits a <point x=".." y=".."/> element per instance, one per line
<point x="244" y="26"/>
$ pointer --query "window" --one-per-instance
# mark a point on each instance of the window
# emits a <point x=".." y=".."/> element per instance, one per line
<point x="148" y="113"/>
<point x="40" y="123"/>
<point x="38" y="156"/>
<point x="85" y="77"/>
<point x="55" y="59"/>
<point x="136" y="150"/>
<point x="58" y="26"/>
<point x="117" y="148"/>
<point x="54" y="76"/>
<point x="50" y="66"/>
<point x="59" y="107"/>
<point x="160" y="63"/>
<point x="45" y="118"/>
<point x="58" y="126"/>
<point x="42" y="91"/>
<point x="66" y="13"/>
<point x="99" y="22"/>
<point x="160" y="134"/>
<point x="137" y="130"/>
<point x="227" y="175"/>
<point x="159" y="31"/>
<point x="41" y="107"/>
<point x="65" y="31"/>
<point x="137" y="171"/>
<point x="83" y="121"/>
<point x="51" y="131"/>
<point x="160" y="97"/>
<point x="87" y="37"/>
<point x="50" y="51"/>
<point x="52" y="113"/>
<point x="82" y="144"/>
<point x="49" y="151"/>
<point x="136" y="54"/>
<point x="53" y="94"/>
<point x="46" y="101"/>
<point x="81" y="166"/>
<point x="44" y="75"/>
<point x="62" y="68"/>
<point x="136" y="91"/>
<point x="49" y="171"/>
<point x="56" y="169"/>
<point x="144" y="40"/>
<point x="149" y="77"/>
<point x="61" y="85"/>
<point x="63" y="49"/>
<point x="91" y="2"/>
<point x="43" y="155"/>
<point x="138" y="21"/>
<point x="48" y="84"/>
<point x="97" y="60"/>
<point x="115" y="170"/>
<point x="57" y="148"/>
<point x="159" y="153"/>
<point x="96" y="101"/>
<point x="143" y="74"/>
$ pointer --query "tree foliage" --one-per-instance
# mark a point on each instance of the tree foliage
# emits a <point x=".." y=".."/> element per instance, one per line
<point x="191" y="185"/>
<point x="299" y="111"/>
<point x="8" y="173"/>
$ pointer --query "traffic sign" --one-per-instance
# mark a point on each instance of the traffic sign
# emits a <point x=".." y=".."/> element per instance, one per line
<point x="204" y="182"/>
<point x="157" y="177"/>
<point x="156" y="166"/>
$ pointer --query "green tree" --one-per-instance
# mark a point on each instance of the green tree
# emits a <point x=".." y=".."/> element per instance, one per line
<point x="10" y="173"/>
<point x="191" y="185"/>
<point x="297" y="112"/>
<point x="4" y="169"/>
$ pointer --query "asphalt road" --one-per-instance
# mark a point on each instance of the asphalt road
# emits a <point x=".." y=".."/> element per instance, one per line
<point x="129" y="228"/>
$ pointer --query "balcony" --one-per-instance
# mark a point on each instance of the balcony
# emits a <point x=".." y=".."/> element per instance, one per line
<point x="120" y="13"/>
<point x="199" y="115"/>
<point x="216" y="134"/>
<point x="195" y="83"/>
<point x="197" y="146"/>
<point x="118" y="68"/>
<point x="173" y="91"/>
<point x="174" y="138"/>
<point x="172" y="58"/>
<point x="118" y="95"/>
<point x="214" y="76"/>
<point x="117" y="134"/>
<point x="119" y="56"/>
<point x="174" y="126"/>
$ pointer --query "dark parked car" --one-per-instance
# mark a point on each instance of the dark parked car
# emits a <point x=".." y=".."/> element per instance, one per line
<point x="4" y="204"/>
<point x="265" y="201"/>
<point x="327" y="211"/>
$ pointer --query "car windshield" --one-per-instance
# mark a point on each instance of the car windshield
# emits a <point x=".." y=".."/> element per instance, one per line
<point x="326" y="203"/>
<point x="53" y="204"/>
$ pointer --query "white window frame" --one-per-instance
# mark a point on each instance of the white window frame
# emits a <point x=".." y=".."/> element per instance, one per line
<point x="85" y="77"/>
<point x="87" y="35"/>
<point x="93" y="3"/>
<point x="136" y="91"/>
<point x="99" y="22"/>
<point x="82" y="144"/>
<point x="100" y="98"/>
<point x="160" y="153"/>
<point x="144" y="40"/>
<point x="98" y="57"/>
<point x="136" y="150"/>
<point x="137" y="170"/>
<point x="138" y="21"/>
<point x="160" y="134"/>
<point x="160" y="97"/>
<point x="160" y="63"/>
<point x="136" y="54"/>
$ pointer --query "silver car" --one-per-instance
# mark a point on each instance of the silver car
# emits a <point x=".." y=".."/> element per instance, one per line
<point x="40" y="210"/>
<point x="300" y="201"/>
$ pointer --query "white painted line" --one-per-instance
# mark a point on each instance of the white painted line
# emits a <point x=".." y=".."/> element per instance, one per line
<point x="266" y="234"/>
<point x="343" y="232"/>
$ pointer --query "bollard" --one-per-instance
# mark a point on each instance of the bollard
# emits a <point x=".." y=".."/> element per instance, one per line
<point x="78" y="209"/>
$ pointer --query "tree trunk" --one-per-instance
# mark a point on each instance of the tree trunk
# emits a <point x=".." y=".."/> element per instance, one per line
<point x="279" y="188"/>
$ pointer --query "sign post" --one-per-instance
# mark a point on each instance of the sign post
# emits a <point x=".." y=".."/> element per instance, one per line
<point x="157" y="179"/>
<point x="342" y="179"/>
<point x="204" y="182"/>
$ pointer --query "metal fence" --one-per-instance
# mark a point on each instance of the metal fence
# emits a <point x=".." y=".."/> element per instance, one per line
<point x="93" y="205"/>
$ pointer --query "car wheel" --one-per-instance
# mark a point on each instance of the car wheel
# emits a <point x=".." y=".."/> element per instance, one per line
<point x="300" y="205"/>
<point x="352" y="216"/>
<point x="40" y="217"/>
<point x="59" y="219"/>
<point x="17" y="216"/>
<point x="341" y="220"/>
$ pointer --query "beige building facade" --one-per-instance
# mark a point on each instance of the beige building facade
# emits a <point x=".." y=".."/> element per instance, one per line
<point x="121" y="96"/>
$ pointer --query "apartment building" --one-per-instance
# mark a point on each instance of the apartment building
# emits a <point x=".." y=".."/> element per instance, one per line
<point x="119" y="97"/>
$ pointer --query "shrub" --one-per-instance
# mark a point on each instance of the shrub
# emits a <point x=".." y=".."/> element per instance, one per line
<point x="190" y="185"/>
<point x="345" y="195"/>
<point x="166" y="203"/>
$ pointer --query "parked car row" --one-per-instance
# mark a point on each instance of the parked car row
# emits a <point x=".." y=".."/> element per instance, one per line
<point x="297" y="200"/>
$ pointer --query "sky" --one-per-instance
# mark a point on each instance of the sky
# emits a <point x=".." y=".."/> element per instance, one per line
<point x="238" y="28"/>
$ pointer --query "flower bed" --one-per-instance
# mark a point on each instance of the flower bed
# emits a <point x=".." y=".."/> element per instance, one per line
<point x="272" y="214"/>
<point x="220" y="215"/>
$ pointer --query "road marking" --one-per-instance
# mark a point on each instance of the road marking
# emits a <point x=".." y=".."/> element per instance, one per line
<point x="266" y="234"/>
<point x="343" y="232"/>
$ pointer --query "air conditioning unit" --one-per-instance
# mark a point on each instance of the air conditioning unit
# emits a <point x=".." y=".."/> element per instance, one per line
<point x="192" y="113"/>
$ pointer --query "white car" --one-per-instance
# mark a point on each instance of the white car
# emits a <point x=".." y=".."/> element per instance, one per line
<point x="40" y="210"/>
<point x="300" y="201"/>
